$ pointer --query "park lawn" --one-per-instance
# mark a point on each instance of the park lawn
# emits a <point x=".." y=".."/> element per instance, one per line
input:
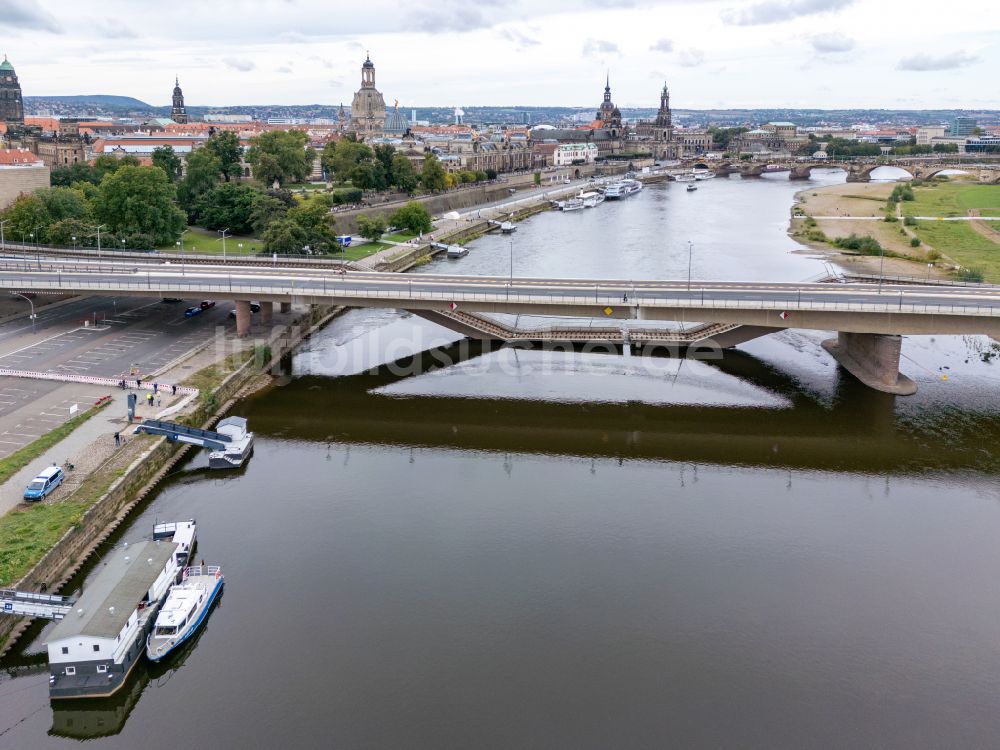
<point x="207" y="242"/>
<point x="952" y="199"/>
<point x="960" y="242"/>
<point x="399" y="236"/>
<point x="357" y="252"/>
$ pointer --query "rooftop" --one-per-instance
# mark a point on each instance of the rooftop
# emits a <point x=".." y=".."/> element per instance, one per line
<point x="18" y="157"/>
<point x="109" y="600"/>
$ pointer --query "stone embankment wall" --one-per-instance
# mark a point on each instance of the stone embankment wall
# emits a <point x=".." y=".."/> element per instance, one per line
<point x="467" y="197"/>
<point x="71" y="552"/>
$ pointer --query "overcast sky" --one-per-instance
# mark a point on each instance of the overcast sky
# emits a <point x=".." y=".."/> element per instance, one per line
<point x="713" y="53"/>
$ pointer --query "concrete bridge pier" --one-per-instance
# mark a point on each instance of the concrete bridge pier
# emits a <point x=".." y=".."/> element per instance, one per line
<point x="873" y="359"/>
<point x="267" y="313"/>
<point x="242" y="318"/>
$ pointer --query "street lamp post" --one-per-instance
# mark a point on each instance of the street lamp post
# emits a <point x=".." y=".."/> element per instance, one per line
<point x="98" y="230"/>
<point x="225" y="233"/>
<point x="74" y="243"/>
<point x="690" y="251"/>
<point x="240" y="245"/>
<point x="18" y="294"/>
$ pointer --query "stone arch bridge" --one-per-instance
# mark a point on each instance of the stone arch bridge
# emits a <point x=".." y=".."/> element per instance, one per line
<point x="988" y="173"/>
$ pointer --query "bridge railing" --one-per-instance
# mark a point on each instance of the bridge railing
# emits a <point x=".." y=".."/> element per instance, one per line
<point x="614" y="297"/>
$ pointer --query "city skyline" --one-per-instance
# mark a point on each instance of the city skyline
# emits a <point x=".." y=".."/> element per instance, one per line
<point x="770" y="53"/>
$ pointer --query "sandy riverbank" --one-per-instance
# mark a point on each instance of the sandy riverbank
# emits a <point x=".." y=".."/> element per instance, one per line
<point x="858" y="208"/>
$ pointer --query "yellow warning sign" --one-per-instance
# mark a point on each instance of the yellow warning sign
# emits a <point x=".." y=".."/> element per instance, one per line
<point x="608" y="310"/>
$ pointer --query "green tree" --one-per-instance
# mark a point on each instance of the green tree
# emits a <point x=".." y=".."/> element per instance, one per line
<point x="368" y="175"/>
<point x="26" y="216"/>
<point x="371" y="228"/>
<point x="340" y="158"/>
<point x="202" y="175"/>
<point x="314" y="217"/>
<point x="433" y="175"/>
<point x="403" y="175"/>
<point x="225" y="144"/>
<point x="108" y="164"/>
<point x="62" y="233"/>
<point x="78" y="172"/>
<point x="64" y="203"/>
<point x="266" y="210"/>
<point x="414" y="217"/>
<point x="491" y="174"/>
<point x="167" y="159"/>
<point x="384" y="154"/>
<point x="228" y="205"/>
<point x="140" y="199"/>
<point x="538" y="177"/>
<point x="285" y="237"/>
<point x="280" y="155"/>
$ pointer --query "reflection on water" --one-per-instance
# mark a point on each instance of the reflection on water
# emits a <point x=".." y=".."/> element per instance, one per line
<point x="584" y="550"/>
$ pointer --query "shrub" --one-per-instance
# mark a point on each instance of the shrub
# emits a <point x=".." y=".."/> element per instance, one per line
<point x="910" y="221"/>
<point x="810" y="222"/>
<point x="866" y="245"/>
<point x="890" y="217"/>
<point x="915" y="242"/>
<point x="970" y="274"/>
<point x="816" y="235"/>
<point x="346" y="195"/>
<point x="933" y="255"/>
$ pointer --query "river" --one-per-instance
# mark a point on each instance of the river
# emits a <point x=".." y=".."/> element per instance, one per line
<point x="577" y="550"/>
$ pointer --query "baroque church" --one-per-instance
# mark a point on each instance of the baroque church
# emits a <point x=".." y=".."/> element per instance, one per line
<point x="178" y="113"/>
<point x="368" y="107"/>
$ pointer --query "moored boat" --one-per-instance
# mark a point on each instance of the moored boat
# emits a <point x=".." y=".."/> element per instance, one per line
<point x="573" y="204"/>
<point x="100" y="638"/>
<point x="685" y="178"/>
<point x="185" y="609"/>
<point x="692" y="188"/>
<point x="615" y="191"/>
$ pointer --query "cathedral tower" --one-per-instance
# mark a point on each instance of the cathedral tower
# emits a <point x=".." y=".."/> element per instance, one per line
<point x="177" y="112"/>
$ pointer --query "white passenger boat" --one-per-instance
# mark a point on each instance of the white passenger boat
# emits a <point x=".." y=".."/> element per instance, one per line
<point x="685" y="178"/>
<point x="508" y="227"/>
<point x="457" y="251"/>
<point x="704" y="175"/>
<point x="573" y="204"/>
<point x="185" y="610"/>
<point x="632" y="186"/>
<point x="591" y="198"/>
<point x="615" y="191"/>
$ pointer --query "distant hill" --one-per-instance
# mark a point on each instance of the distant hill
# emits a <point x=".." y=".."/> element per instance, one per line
<point x="99" y="102"/>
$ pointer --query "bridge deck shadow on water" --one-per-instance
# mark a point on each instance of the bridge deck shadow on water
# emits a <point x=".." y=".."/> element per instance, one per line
<point x="856" y="430"/>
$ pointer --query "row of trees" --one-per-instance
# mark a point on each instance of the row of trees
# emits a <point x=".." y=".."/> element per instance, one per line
<point x="413" y="217"/>
<point x="844" y="148"/>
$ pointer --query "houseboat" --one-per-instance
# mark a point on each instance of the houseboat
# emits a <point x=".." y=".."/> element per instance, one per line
<point x="100" y="638"/>
<point x="238" y="448"/>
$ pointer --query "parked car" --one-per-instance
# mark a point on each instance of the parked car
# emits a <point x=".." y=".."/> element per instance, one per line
<point x="44" y="483"/>
<point x="192" y="311"/>
<point x="207" y="304"/>
<point x="254" y="308"/>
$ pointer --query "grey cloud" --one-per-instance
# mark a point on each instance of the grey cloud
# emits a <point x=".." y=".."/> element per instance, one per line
<point x="23" y="14"/>
<point x="690" y="58"/>
<point x="238" y="63"/>
<point x="662" y="45"/>
<point x="112" y="28"/>
<point x="924" y="61"/>
<point x="284" y="69"/>
<point x="832" y="42"/>
<point x="599" y="46"/>
<point x="776" y="11"/>
<point x="521" y="40"/>
<point x="450" y="17"/>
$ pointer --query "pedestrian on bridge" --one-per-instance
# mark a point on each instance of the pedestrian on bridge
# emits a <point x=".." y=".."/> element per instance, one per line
<point x="118" y="440"/>
<point x="156" y="387"/>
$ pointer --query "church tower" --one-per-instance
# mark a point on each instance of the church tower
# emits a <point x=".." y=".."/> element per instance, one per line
<point x="609" y="115"/>
<point x="664" y="122"/>
<point x="11" y="105"/>
<point x="177" y="112"/>
<point x="368" y="107"/>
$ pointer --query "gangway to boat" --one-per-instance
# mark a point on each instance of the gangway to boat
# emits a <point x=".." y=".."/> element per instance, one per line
<point x="215" y="441"/>
<point x="32" y="604"/>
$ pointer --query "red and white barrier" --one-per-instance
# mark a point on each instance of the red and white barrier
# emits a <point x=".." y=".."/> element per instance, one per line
<point x="164" y="388"/>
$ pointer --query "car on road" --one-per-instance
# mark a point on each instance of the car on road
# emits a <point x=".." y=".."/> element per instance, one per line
<point x="192" y="311"/>
<point x="172" y="300"/>
<point x="207" y="304"/>
<point x="44" y="483"/>
<point x="254" y="308"/>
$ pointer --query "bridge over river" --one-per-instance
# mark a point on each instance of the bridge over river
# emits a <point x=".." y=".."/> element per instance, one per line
<point x="869" y="315"/>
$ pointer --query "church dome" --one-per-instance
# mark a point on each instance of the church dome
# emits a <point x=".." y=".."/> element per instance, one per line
<point x="6" y="66"/>
<point x="368" y="62"/>
<point x="396" y="122"/>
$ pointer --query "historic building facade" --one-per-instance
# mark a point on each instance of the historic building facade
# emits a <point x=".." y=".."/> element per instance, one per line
<point x="608" y="115"/>
<point x="178" y="112"/>
<point x="368" y="107"/>
<point x="11" y="105"/>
